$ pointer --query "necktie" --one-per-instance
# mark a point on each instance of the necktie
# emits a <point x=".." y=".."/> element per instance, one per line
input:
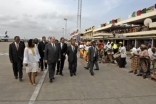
<point x="61" y="45"/>
<point x="17" y="46"/>
<point x="53" y="46"/>
<point x="94" y="51"/>
<point x="73" y="48"/>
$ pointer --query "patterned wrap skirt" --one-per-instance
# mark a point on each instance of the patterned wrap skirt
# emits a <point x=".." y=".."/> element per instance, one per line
<point x="85" y="55"/>
<point x="135" y="63"/>
<point x="81" y="52"/>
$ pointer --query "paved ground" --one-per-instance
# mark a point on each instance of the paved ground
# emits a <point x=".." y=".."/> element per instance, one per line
<point x="110" y="85"/>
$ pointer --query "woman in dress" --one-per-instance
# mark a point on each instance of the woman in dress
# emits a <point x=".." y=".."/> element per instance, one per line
<point x="144" y="61"/>
<point x="134" y="60"/>
<point x="31" y="60"/>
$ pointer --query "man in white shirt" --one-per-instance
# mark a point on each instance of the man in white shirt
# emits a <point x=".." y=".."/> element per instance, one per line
<point x="150" y="51"/>
<point x="123" y="56"/>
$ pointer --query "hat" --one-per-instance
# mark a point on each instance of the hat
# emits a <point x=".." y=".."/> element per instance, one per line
<point x="143" y="46"/>
<point x="120" y="42"/>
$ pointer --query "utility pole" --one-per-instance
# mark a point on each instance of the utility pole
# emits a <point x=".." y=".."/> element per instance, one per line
<point x="79" y="15"/>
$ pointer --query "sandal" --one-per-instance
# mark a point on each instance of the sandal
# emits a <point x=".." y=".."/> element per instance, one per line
<point x="30" y="83"/>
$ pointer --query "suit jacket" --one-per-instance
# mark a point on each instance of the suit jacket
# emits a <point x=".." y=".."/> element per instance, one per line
<point x="72" y="56"/>
<point x="91" y="53"/>
<point x="41" y="48"/>
<point x="63" y="49"/>
<point x="23" y="43"/>
<point x="15" y="54"/>
<point x="51" y="54"/>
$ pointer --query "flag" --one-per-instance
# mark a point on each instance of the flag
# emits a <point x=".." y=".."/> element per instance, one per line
<point x="113" y="21"/>
<point x="143" y="11"/>
<point x="5" y="32"/>
<point x="118" y="20"/>
<point x="134" y="14"/>
<point x="130" y="15"/>
<point x="110" y="22"/>
<point x="138" y="13"/>
<point x="150" y="9"/>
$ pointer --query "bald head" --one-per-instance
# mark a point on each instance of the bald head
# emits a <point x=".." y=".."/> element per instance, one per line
<point x="52" y="39"/>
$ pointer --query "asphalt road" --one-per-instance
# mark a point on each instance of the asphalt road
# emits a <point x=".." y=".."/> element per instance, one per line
<point x="110" y="85"/>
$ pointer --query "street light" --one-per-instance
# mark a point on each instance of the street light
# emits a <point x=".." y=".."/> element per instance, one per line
<point x="63" y="31"/>
<point x="65" y="26"/>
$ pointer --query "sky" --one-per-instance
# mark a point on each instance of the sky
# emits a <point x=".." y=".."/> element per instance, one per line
<point x="37" y="18"/>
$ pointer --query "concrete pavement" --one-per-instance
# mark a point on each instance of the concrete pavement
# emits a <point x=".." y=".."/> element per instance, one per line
<point x="110" y="85"/>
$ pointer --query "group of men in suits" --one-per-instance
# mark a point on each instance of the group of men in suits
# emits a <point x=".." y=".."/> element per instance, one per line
<point x="51" y="53"/>
<point x="55" y="53"/>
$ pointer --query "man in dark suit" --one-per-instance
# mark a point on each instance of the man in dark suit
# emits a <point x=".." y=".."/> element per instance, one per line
<point x="51" y="56"/>
<point x="41" y="48"/>
<point x="72" y="57"/>
<point x="16" y="51"/>
<point x="63" y="56"/>
<point x="93" y="57"/>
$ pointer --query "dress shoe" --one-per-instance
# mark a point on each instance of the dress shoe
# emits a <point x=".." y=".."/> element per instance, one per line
<point x="61" y="74"/>
<point x="92" y="74"/>
<point x="74" y="74"/>
<point x="16" y="77"/>
<point x="96" y="69"/>
<point x="53" y="77"/>
<point x="71" y="75"/>
<point x="51" y="81"/>
<point x="86" y="68"/>
<point x="20" y="80"/>
<point x="56" y="73"/>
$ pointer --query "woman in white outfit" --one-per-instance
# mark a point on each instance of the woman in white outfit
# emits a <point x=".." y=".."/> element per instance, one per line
<point x="31" y="60"/>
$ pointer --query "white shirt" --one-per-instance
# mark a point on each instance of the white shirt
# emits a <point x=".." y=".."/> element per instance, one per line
<point x="81" y="46"/>
<point x="134" y="51"/>
<point x="17" y="44"/>
<point x="61" y="45"/>
<point x="73" y="48"/>
<point x="87" y="47"/>
<point x="123" y="52"/>
<point x="53" y="45"/>
<point x="150" y="53"/>
<point x="94" y="48"/>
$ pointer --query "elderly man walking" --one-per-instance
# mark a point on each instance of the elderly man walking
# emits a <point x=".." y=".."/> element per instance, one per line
<point x="51" y="56"/>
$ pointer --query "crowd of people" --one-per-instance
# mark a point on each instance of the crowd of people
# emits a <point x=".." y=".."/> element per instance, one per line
<point x="38" y="56"/>
<point x="143" y="59"/>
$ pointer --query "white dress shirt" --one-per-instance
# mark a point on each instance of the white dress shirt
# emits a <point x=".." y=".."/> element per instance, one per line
<point x="61" y="45"/>
<point x="123" y="52"/>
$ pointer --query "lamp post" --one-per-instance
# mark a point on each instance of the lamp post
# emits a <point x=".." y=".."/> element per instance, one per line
<point x="63" y="31"/>
<point x="65" y="26"/>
